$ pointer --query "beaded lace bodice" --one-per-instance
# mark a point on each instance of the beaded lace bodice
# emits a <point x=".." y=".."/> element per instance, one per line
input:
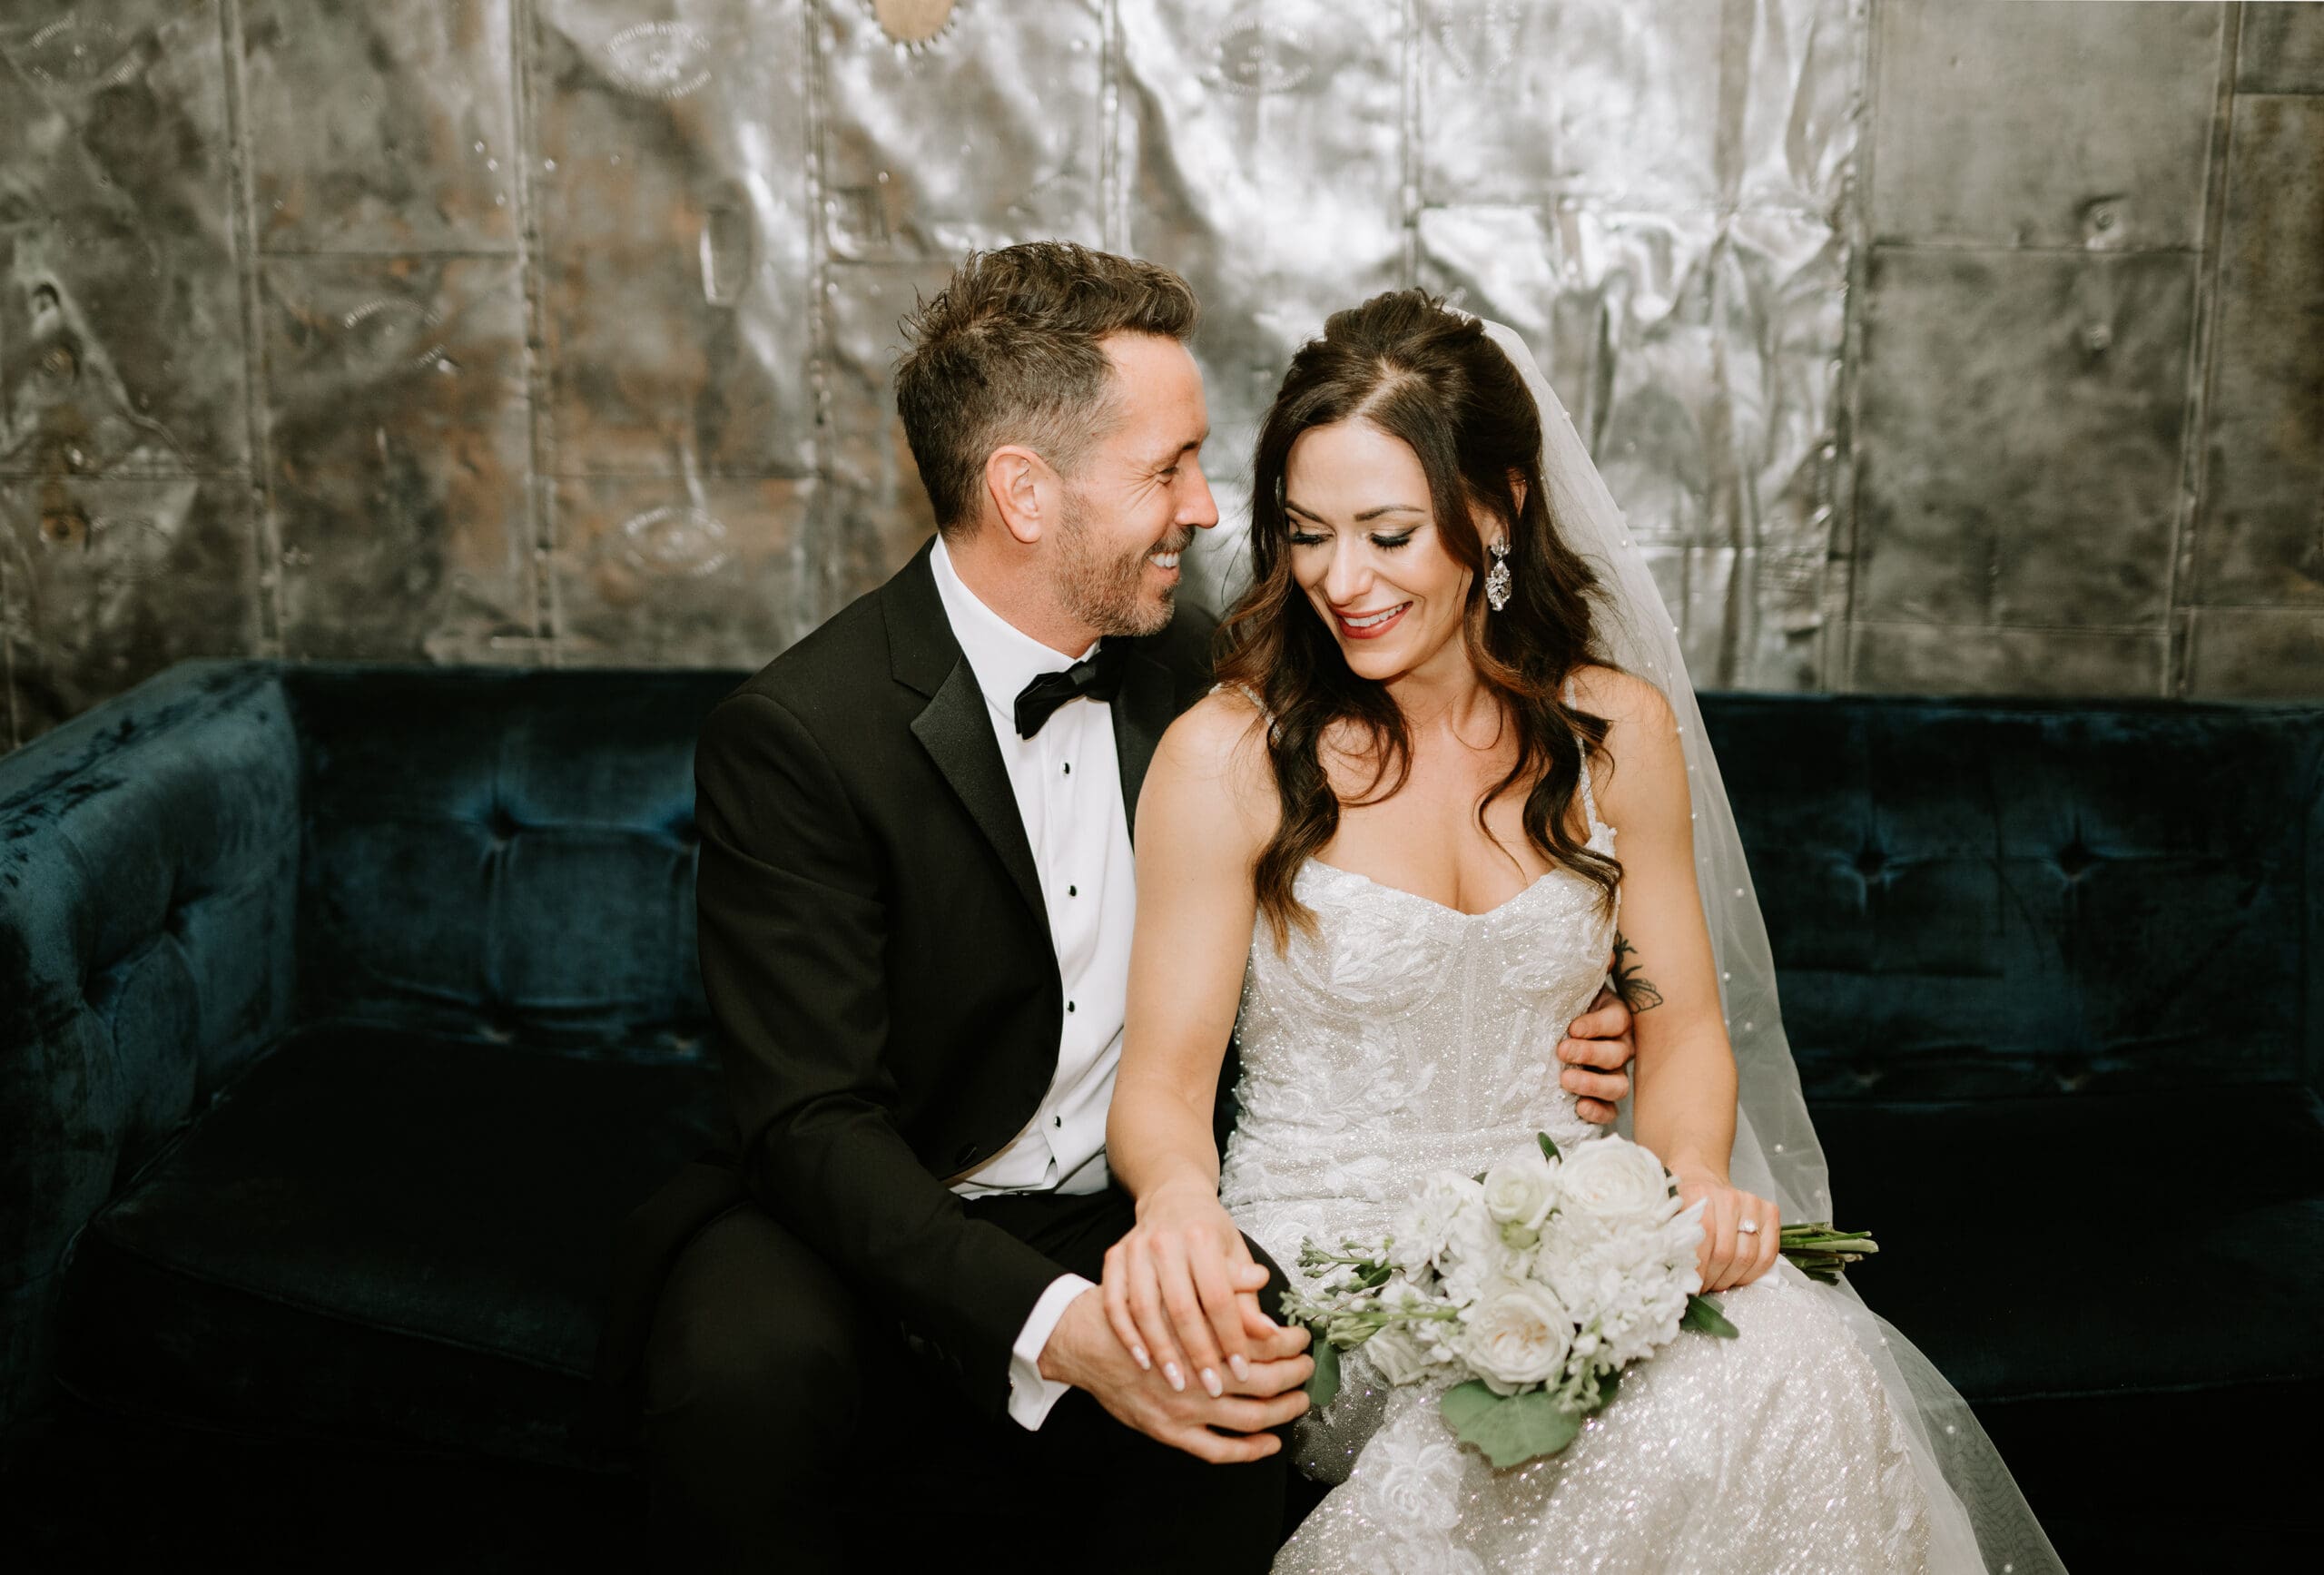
<point x="1402" y="1037"/>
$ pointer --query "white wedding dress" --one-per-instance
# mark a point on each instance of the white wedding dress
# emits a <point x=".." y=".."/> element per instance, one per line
<point x="1405" y="1037"/>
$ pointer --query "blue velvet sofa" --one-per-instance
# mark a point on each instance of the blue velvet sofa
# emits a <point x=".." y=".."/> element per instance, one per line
<point x="344" y="1011"/>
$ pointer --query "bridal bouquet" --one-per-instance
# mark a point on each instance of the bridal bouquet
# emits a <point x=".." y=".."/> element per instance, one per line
<point x="1532" y="1285"/>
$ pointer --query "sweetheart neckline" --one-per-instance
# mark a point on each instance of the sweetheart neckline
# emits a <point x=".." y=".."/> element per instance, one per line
<point x="1508" y="901"/>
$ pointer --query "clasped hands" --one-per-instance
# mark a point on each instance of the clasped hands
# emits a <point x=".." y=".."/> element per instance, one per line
<point x="1175" y="1344"/>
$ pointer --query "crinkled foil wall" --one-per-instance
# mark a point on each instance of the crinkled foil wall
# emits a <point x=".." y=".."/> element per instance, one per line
<point x="1933" y="345"/>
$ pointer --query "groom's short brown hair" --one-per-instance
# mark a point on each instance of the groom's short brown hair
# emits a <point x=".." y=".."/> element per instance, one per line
<point x="1008" y="352"/>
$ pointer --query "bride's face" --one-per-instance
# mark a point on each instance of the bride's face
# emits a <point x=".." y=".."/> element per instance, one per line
<point x="1364" y="547"/>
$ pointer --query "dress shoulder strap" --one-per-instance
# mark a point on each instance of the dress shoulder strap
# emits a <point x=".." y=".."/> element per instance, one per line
<point x="1245" y="690"/>
<point x="1588" y="799"/>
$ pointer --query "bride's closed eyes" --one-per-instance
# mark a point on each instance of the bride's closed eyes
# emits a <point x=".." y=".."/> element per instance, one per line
<point x="1388" y="542"/>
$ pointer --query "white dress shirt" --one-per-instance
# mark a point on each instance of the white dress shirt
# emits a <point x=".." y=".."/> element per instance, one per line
<point x="1069" y="789"/>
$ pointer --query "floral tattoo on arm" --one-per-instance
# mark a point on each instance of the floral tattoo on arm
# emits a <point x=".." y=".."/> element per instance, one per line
<point x="1635" y="991"/>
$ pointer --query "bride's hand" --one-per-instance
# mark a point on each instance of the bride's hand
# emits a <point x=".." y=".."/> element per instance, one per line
<point x="1181" y="1291"/>
<point x="1731" y="1256"/>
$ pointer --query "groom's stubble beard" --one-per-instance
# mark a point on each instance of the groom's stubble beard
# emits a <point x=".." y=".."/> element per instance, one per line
<point x="1107" y="591"/>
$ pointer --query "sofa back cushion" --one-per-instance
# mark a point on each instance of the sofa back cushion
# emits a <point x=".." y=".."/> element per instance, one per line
<point x="1969" y="899"/>
<point x="507" y="854"/>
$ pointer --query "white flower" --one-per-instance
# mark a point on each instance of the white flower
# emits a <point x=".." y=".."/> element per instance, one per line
<point x="1398" y="1355"/>
<point x="1519" y="1191"/>
<point x="1418" y="1234"/>
<point x="1611" y="1181"/>
<point x="1411" y="1483"/>
<point x="1518" y="1334"/>
<point x="1474" y="1254"/>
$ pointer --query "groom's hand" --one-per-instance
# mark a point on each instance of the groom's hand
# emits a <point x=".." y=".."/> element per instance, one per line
<point x="1083" y="1350"/>
<point x="1595" y="1056"/>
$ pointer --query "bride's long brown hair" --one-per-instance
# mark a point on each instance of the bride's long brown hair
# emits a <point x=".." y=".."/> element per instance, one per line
<point x="1415" y="369"/>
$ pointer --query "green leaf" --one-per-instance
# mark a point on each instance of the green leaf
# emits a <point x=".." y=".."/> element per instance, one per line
<point x="1325" y="1382"/>
<point x="1509" y="1429"/>
<point x="1549" y="1149"/>
<point x="1703" y="1314"/>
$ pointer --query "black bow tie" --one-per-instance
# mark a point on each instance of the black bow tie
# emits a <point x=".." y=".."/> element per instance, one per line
<point x="1099" y="677"/>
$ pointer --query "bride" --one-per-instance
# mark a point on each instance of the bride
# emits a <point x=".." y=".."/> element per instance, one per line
<point x="1455" y="763"/>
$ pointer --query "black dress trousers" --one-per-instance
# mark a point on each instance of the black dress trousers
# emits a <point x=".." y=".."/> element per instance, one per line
<point x="786" y="1428"/>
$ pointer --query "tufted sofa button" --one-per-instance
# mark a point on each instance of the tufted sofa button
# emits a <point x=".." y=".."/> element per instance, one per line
<point x="501" y="824"/>
<point x="2074" y="860"/>
<point x="1871" y="861"/>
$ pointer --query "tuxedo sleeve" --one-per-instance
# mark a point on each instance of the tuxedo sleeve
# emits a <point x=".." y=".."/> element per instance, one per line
<point x="794" y="959"/>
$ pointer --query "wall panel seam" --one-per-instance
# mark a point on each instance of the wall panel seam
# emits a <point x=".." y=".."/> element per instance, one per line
<point x="2178" y="660"/>
<point x="1837" y="666"/>
<point x="266" y="544"/>
<point x="548" y="620"/>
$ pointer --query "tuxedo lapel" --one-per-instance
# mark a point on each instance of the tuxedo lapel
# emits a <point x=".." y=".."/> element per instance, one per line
<point x="955" y="727"/>
<point x="1142" y="713"/>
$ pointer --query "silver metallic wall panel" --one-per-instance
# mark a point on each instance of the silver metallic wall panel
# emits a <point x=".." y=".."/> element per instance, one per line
<point x="120" y="338"/>
<point x="2019" y="452"/>
<point x="389" y="126"/>
<point x="2255" y="653"/>
<point x="679" y="318"/>
<point x="1927" y="659"/>
<point x="2283" y="48"/>
<point x="1928" y="343"/>
<point x="672" y="178"/>
<point x="104" y="580"/>
<point x="2077" y="125"/>
<point x="696" y="573"/>
<point x="396" y="422"/>
<point x="127" y="531"/>
<point x="2258" y="549"/>
<point x="2260" y="530"/>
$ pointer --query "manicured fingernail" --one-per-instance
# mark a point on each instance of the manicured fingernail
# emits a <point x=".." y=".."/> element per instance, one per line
<point x="1241" y="1369"/>
<point x="1170" y="1371"/>
<point x="1210" y="1381"/>
<point x="1145" y="1363"/>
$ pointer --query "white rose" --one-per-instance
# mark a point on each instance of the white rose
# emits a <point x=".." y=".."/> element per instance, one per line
<point x="1612" y="1180"/>
<point x="1518" y="1334"/>
<point x="1519" y="1191"/>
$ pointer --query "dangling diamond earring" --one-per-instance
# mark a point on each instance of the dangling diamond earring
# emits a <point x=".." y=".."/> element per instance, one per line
<point x="1497" y="580"/>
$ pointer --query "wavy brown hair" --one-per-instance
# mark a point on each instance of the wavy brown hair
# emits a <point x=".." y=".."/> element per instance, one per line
<point x="1423" y="373"/>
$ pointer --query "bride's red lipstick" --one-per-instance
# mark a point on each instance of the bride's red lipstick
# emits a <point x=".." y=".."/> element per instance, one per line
<point x="1370" y="631"/>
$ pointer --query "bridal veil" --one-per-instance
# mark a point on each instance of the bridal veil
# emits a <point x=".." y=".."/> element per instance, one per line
<point x="1978" y="1517"/>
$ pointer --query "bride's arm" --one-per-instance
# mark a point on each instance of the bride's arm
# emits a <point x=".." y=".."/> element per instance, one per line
<point x="1182" y="1285"/>
<point x="1685" y="1074"/>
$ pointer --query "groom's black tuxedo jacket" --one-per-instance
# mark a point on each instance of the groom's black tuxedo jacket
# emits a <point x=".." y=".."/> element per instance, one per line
<point x="876" y="954"/>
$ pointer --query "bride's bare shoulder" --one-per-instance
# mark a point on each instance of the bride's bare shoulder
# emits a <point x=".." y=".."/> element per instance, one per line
<point x="1632" y="704"/>
<point x="1215" y="758"/>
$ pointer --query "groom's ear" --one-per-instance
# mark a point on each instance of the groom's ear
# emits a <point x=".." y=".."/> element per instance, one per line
<point x="1023" y="489"/>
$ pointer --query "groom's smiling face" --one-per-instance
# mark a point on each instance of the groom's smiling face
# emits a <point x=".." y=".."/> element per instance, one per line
<point x="1140" y="492"/>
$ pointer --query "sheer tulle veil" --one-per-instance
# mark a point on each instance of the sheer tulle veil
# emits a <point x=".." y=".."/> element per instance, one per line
<point x="1979" y="1519"/>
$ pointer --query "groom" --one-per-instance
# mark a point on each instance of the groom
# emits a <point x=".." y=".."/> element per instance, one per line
<point x="916" y="904"/>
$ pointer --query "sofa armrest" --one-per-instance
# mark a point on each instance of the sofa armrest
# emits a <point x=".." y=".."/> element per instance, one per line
<point x="149" y="858"/>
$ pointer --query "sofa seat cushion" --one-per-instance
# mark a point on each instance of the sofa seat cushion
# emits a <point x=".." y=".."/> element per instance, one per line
<point x="381" y="1234"/>
<point x="2095" y="1245"/>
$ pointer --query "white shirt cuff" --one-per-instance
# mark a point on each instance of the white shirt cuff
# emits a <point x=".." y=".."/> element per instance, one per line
<point x="1030" y="1395"/>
